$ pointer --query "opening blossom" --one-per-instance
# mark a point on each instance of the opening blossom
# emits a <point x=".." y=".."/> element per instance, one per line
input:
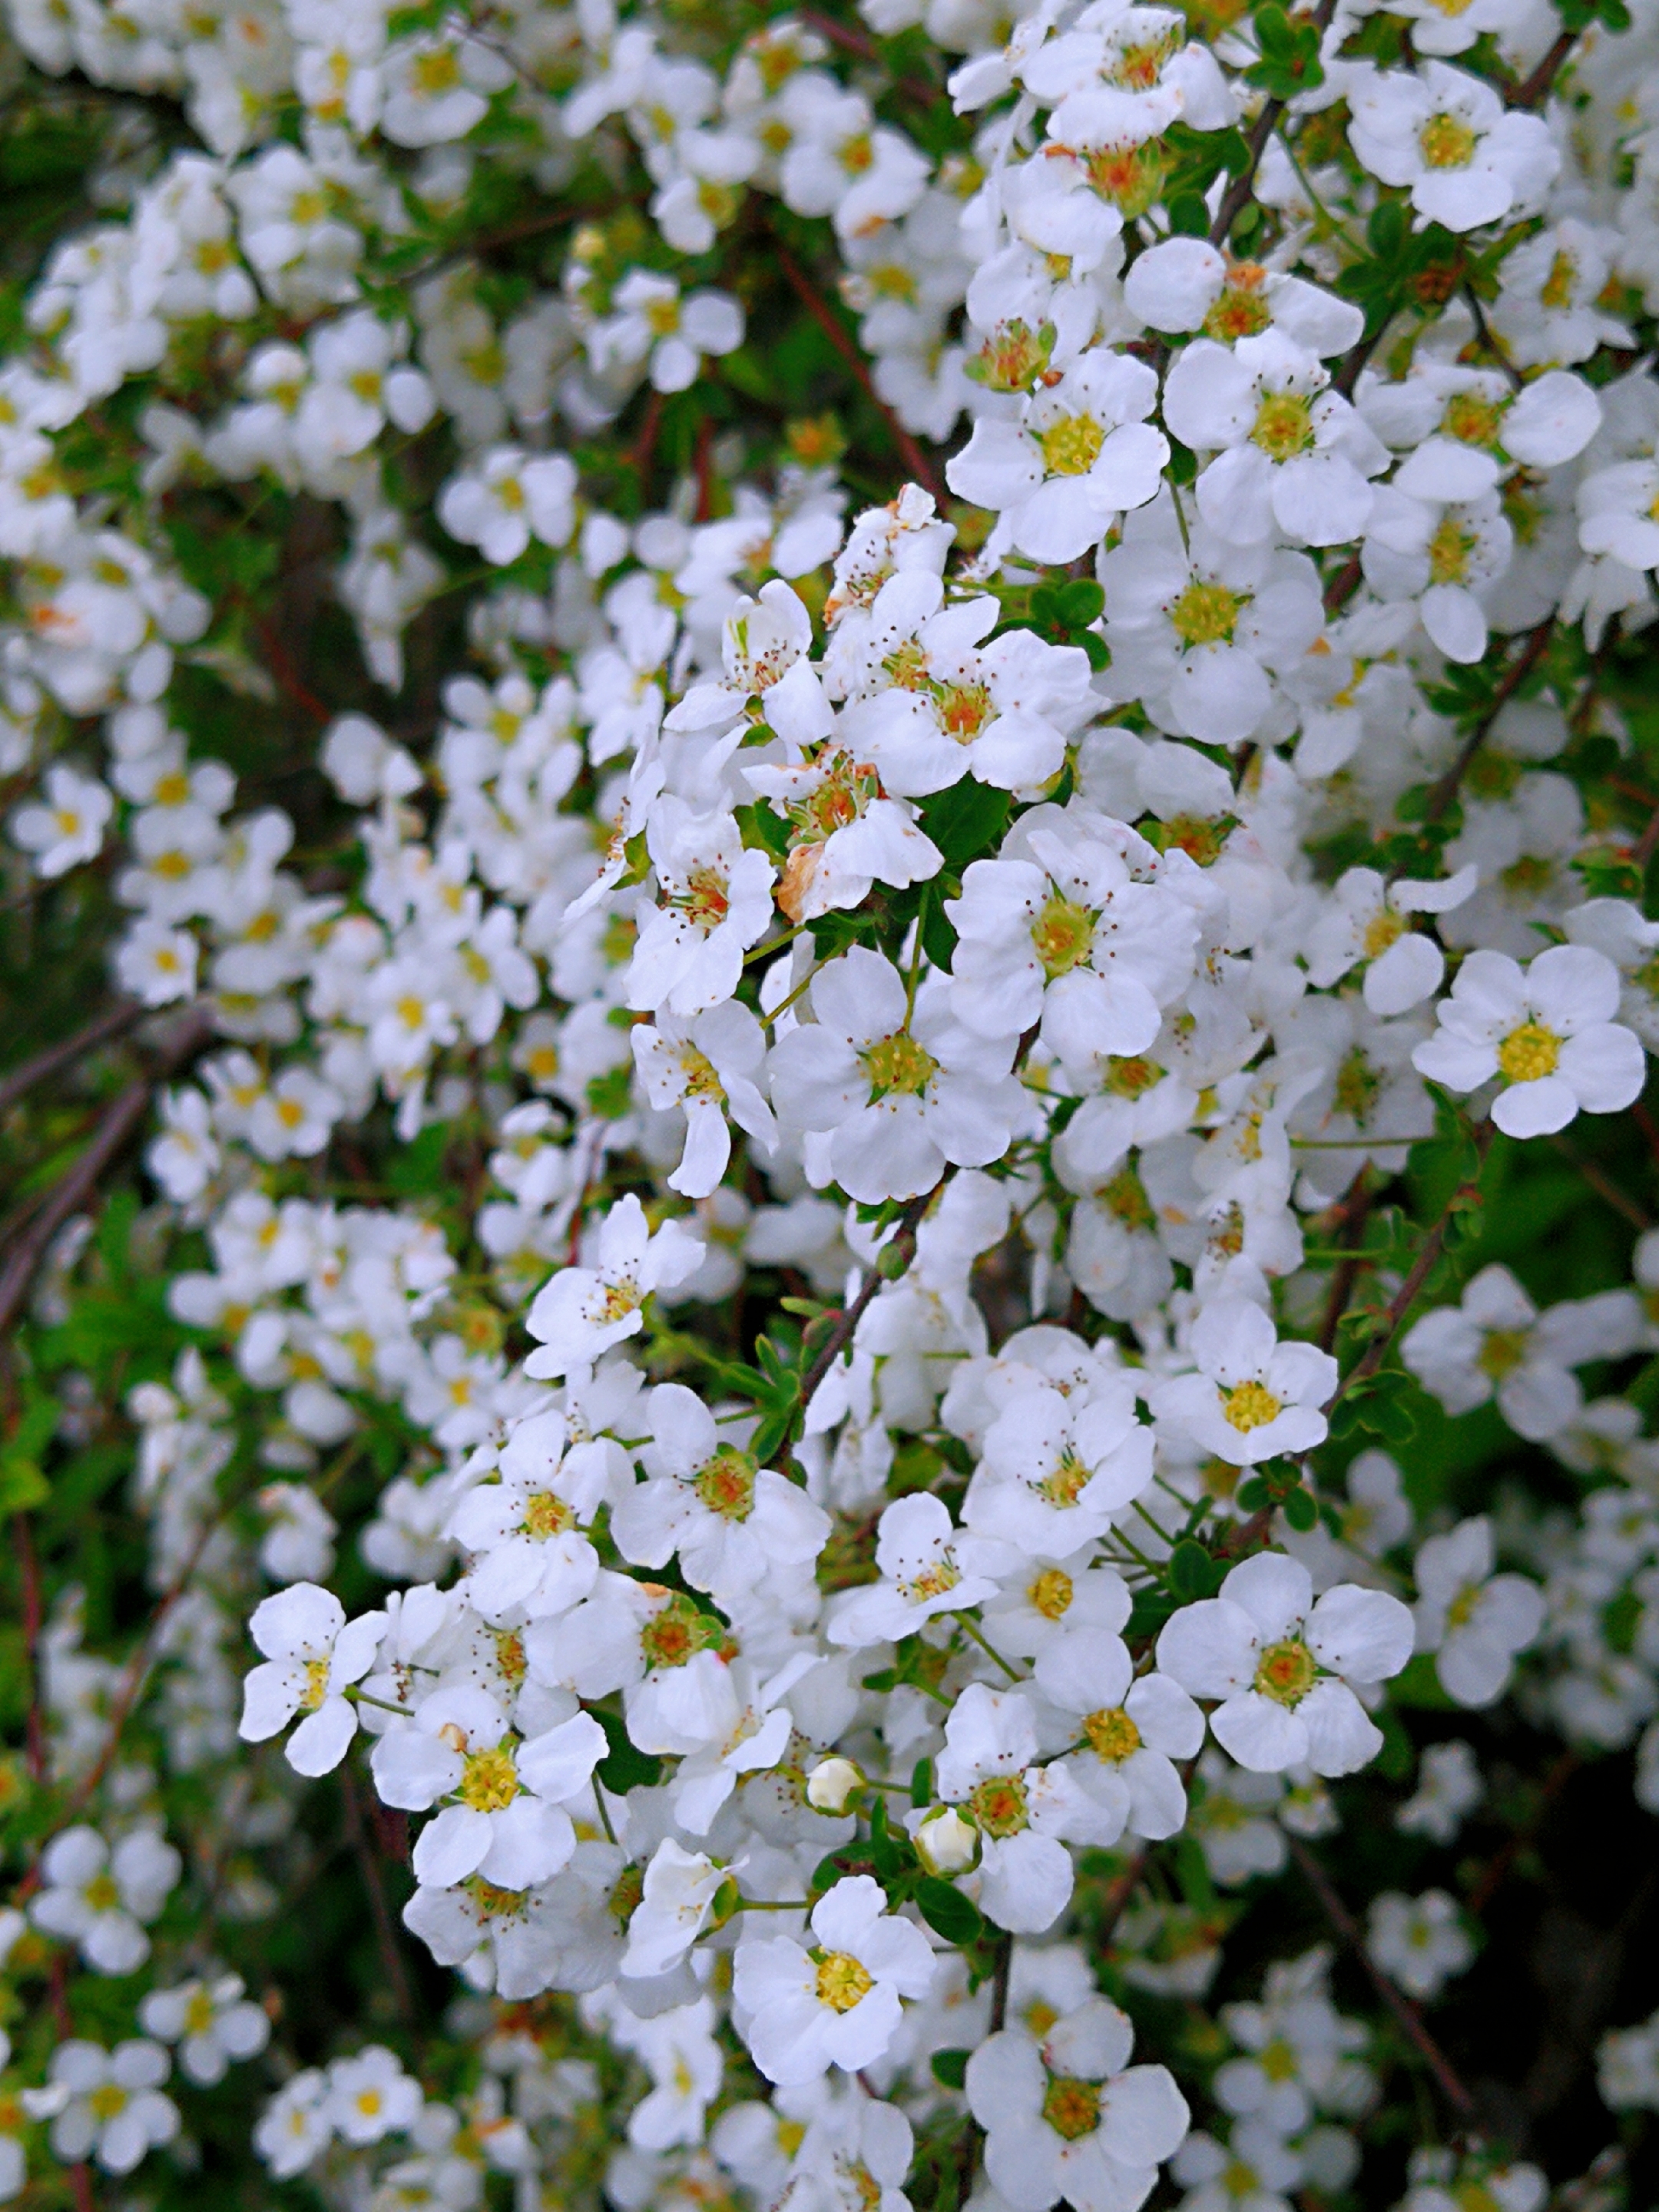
<point x="313" y="1655"/>
<point x="1280" y="1665"/>
<point x="839" y="2003"/>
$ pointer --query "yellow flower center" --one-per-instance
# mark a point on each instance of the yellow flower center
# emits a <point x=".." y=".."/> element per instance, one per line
<point x="489" y="1784"/>
<point x="435" y="72"/>
<point x="1358" y="1084"/>
<point x="1385" y="927"/>
<point x="1125" y="1198"/>
<point x="199" y="2013"/>
<point x="1111" y="1734"/>
<point x="726" y="1484"/>
<point x="1529" y="1053"/>
<point x="1071" y="445"/>
<point x="630" y="1889"/>
<point x="1277" y="2061"/>
<point x="842" y="1981"/>
<point x="1474" y="419"/>
<point x="1451" y="550"/>
<point x="1557" y="293"/>
<point x="1132" y="1077"/>
<point x="1285" y="1671"/>
<point x="1460" y="1611"/>
<point x="962" y="709"/>
<point x="674" y="1636"/>
<point x="1206" y="614"/>
<point x="1446" y="142"/>
<point x="1502" y="1350"/>
<point x="102" y="1895"/>
<point x="1051" y="1593"/>
<point x="706" y="901"/>
<point x="933" y="1581"/>
<point x="1063" y="934"/>
<point x="1284" y="425"/>
<point x="107" y="2100"/>
<point x="546" y="1516"/>
<point x="1251" y="1405"/>
<point x="998" y="1805"/>
<point x="1072" y="2108"/>
<point x="316" y="1688"/>
<point x="898" y="1063"/>
<point x="1067" y="1482"/>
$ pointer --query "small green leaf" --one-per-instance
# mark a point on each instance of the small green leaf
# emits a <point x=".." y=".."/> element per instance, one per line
<point x="950" y="2068"/>
<point x="947" y="1912"/>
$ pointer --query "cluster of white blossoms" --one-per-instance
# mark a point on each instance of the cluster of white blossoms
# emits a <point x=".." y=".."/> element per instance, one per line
<point x="781" y="1225"/>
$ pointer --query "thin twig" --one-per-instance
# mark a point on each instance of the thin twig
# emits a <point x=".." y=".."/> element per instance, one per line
<point x="77" y="1186"/>
<point x="842" y="340"/>
<point x="1603" y="1185"/>
<point x="902" y="1244"/>
<point x="1442" y="794"/>
<point x="1534" y="89"/>
<point x="1401" y="2006"/>
<point x="115" y="1023"/>
<point x="1401" y="1303"/>
<point x="1265" y="123"/>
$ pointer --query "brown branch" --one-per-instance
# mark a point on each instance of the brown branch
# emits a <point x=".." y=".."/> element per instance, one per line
<point x="1442" y="794"/>
<point x="76" y="1187"/>
<point x="1401" y="1303"/>
<point x="855" y="42"/>
<point x="1404" y="2010"/>
<point x="1265" y="123"/>
<point x="35" y="1737"/>
<point x="1535" y="87"/>
<point x="846" y="345"/>
<point x="1348" y="375"/>
<point x="1498" y="1871"/>
<point x="1603" y="1185"/>
<point x="901" y="1248"/>
<point x="1354" y="1208"/>
<point x="109" y="1025"/>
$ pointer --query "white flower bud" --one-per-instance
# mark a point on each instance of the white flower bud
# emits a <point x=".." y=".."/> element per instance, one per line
<point x="946" y="1843"/>
<point x="832" y="1784"/>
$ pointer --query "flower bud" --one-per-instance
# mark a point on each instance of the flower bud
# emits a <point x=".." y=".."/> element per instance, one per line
<point x="946" y="1843"/>
<point x="832" y="1785"/>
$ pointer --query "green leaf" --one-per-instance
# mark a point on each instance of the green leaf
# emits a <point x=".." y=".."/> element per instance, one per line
<point x="950" y="2068"/>
<point x="966" y="821"/>
<point x="1189" y="1569"/>
<point x="1301" y="1510"/>
<point x="761" y="830"/>
<point x="947" y="1912"/>
<point x="624" y="1767"/>
<point x="921" y="1784"/>
<point x="1189" y="215"/>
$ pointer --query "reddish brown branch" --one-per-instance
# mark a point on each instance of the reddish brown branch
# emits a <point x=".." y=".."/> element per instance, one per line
<point x="113" y="1023"/>
<point x="921" y="468"/>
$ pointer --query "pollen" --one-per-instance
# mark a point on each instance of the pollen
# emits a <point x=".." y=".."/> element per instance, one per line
<point x="725" y="1484"/>
<point x="998" y="1805"/>
<point x="1446" y="142"/>
<point x="316" y="1688"/>
<point x="1529" y="1053"/>
<point x="898" y="1064"/>
<point x="546" y="1515"/>
<point x="842" y="1981"/>
<point x="1111" y="1734"/>
<point x="1385" y="927"/>
<point x="1071" y="2108"/>
<point x="1285" y="1672"/>
<point x="1251" y="1406"/>
<point x="1206" y="614"/>
<point x="490" y="1782"/>
<point x="1051" y="1594"/>
<point x="1284" y="426"/>
<point x="1064" y="935"/>
<point x="1071" y="445"/>
<point x="1067" y="1482"/>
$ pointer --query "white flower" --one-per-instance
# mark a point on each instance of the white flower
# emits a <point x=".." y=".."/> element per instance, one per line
<point x="1368" y="920"/>
<point x="931" y="701"/>
<point x="68" y="827"/>
<point x="312" y="1655"/>
<point x="717" y="902"/>
<point x="115" y="2113"/>
<point x="1083" y="453"/>
<point x="1449" y="1785"/>
<point x="527" y="1531"/>
<point x="1419" y="1941"/>
<point x="212" y="2022"/>
<point x="100" y="1899"/>
<point x="1025" y="1813"/>
<point x="651" y="321"/>
<point x="837" y="2004"/>
<point x="677" y="1895"/>
<point x="1070" y="2117"/>
<point x="296" y="2124"/>
<point x="1133" y="1731"/>
<point x="845" y="833"/>
<point x="1494" y="1344"/>
<point x="898" y="1088"/>
<point x="1252" y="1396"/>
<point x="1289" y="453"/>
<point x="370" y="2096"/>
<point x="1547" y="1031"/>
<point x="583" y="1311"/>
<point x="504" y="1818"/>
<point x="1447" y="136"/>
<point x="731" y="1522"/>
<point x="1473" y="1620"/>
<point x="1277" y="1661"/>
<point x="1056" y="1470"/>
<point x="927" y="1566"/>
<point x="706" y="1067"/>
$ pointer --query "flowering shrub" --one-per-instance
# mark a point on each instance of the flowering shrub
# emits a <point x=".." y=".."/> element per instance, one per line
<point x="828" y="1296"/>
